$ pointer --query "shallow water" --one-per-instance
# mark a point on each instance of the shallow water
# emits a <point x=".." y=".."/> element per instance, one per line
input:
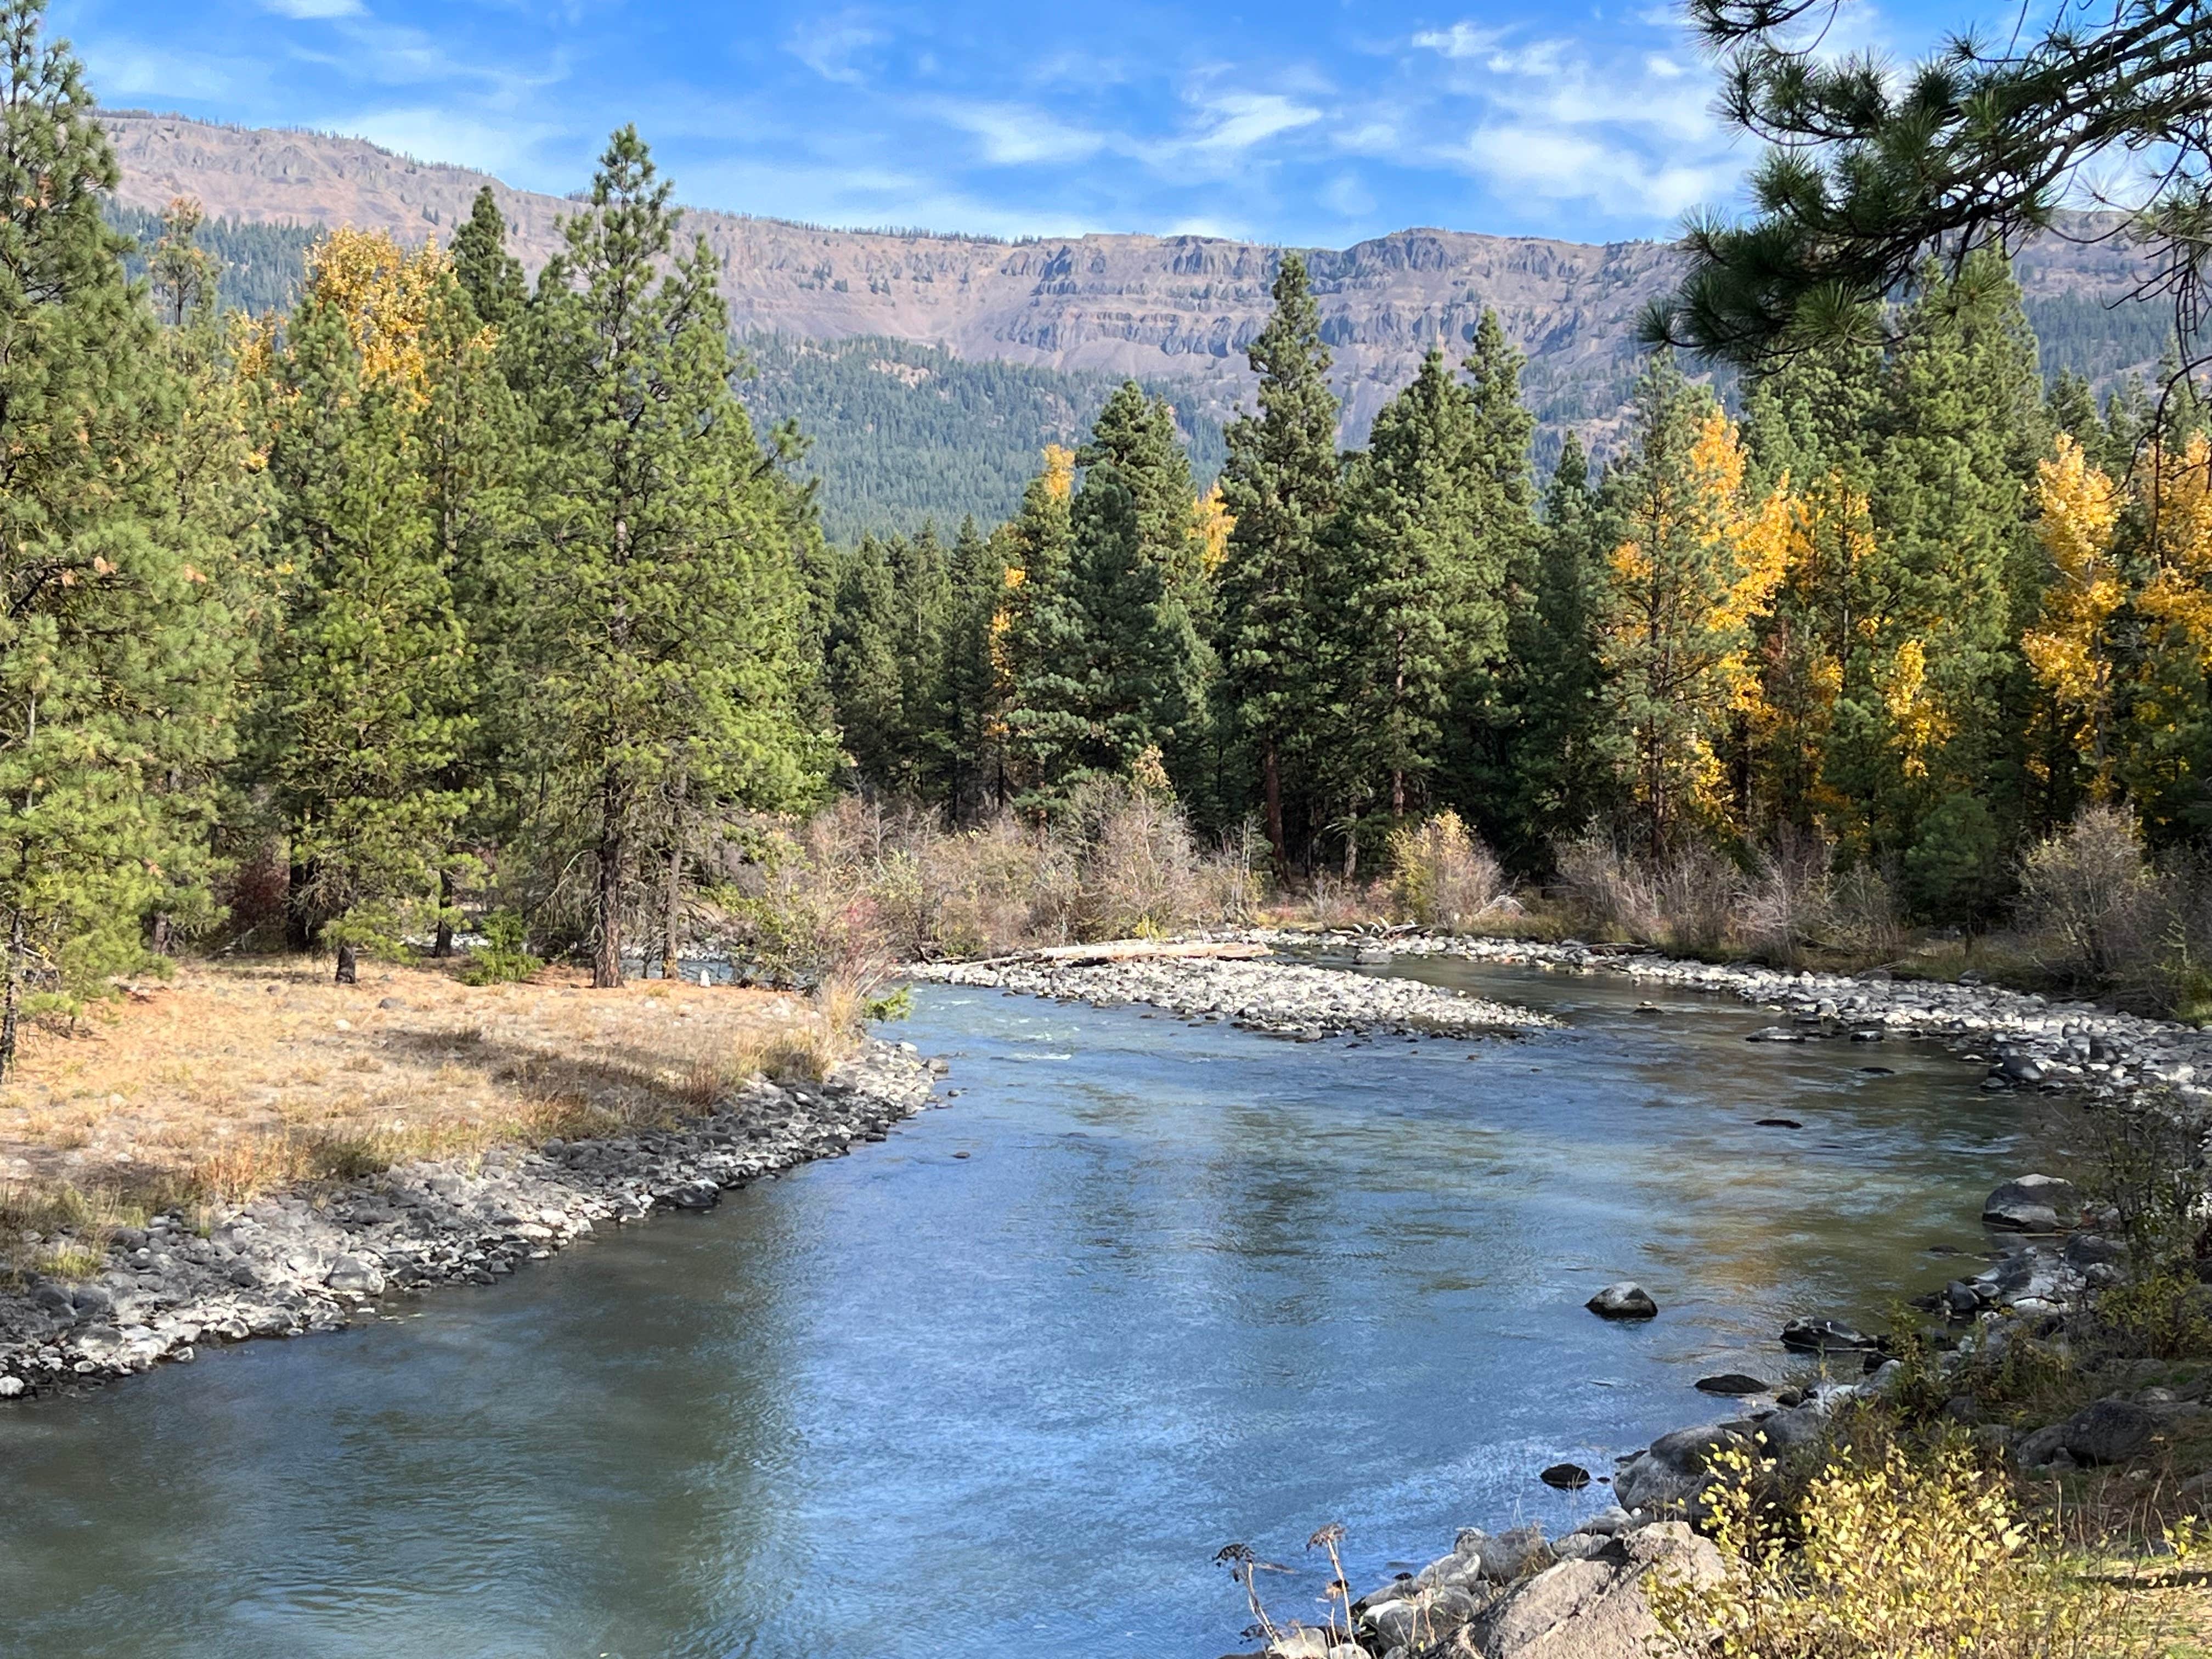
<point x="1191" y="1284"/>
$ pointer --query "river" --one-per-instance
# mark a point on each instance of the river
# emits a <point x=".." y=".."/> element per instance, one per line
<point x="999" y="1387"/>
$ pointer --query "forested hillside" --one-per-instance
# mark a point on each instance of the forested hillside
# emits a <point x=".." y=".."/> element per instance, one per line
<point x="902" y="435"/>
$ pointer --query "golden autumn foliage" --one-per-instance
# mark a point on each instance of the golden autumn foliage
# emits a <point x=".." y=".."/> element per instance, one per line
<point x="2070" y="648"/>
<point x="1059" y="471"/>
<point x="1675" y="630"/>
<point x="1213" y="522"/>
<point x="1893" y="1556"/>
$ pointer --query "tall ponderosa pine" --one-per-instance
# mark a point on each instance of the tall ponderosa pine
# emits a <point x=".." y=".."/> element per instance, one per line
<point x="1419" y="608"/>
<point x="365" y="709"/>
<point x="117" y="646"/>
<point x="492" y="276"/>
<point x="971" y="711"/>
<point x="665" y="603"/>
<point x="1281" y="486"/>
<point x="1566" y="745"/>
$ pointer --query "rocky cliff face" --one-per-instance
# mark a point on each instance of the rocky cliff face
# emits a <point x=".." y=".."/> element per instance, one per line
<point x="1179" y="308"/>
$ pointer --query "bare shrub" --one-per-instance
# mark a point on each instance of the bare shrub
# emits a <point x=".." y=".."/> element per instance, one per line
<point x="1684" y="900"/>
<point x="1786" y="905"/>
<point x="1863" y="916"/>
<point x="2090" y="898"/>
<point x="1441" y="875"/>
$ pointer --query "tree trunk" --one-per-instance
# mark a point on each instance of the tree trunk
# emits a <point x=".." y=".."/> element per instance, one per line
<point x="1352" y="846"/>
<point x="13" y="1000"/>
<point x="606" y="955"/>
<point x="672" y="911"/>
<point x="163" y="941"/>
<point x="442" y="947"/>
<point x="349" y="966"/>
<point x="298" y="926"/>
<point x="1271" y="777"/>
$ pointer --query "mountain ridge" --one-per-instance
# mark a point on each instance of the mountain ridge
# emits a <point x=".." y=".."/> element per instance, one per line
<point x="1172" y="309"/>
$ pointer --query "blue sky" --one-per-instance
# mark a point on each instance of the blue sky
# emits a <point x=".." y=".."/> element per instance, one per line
<point x="1314" y="123"/>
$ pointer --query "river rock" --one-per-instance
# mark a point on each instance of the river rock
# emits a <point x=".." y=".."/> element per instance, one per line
<point x="1671" y="1473"/>
<point x="1595" y="1607"/>
<point x="1826" y="1336"/>
<point x="1566" y="1476"/>
<point x="2032" y="1204"/>
<point x="354" y="1275"/>
<point x="1732" y="1382"/>
<point x="1624" y="1300"/>
<point x="2107" y="1431"/>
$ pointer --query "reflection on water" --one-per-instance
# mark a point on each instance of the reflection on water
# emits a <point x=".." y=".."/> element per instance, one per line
<point x="1192" y="1285"/>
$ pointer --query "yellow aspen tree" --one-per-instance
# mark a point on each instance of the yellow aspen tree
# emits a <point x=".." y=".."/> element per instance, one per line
<point x="2070" y="648"/>
<point x="1699" y="565"/>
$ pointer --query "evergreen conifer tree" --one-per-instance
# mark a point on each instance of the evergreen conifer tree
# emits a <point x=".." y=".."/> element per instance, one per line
<point x="971" y="714"/>
<point x="666" y="607"/>
<point x="1281" y="485"/>
<point x="116" y="645"/>
<point x="364" y="716"/>
<point x="491" y="275"/>
<point x="862" y="663"/>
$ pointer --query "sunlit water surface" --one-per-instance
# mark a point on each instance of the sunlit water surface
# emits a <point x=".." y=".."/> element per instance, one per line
<point x="1191" y="1284"/>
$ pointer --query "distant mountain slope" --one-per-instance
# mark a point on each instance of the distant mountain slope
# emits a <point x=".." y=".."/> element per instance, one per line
<point x="902" y="434"/>
<point x="1175" y="311"/>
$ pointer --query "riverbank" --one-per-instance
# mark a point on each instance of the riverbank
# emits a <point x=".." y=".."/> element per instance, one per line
<point x="408" y="1133"/>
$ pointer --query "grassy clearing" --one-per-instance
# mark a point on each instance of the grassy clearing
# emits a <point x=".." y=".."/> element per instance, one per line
<point x="238" y="1078"/>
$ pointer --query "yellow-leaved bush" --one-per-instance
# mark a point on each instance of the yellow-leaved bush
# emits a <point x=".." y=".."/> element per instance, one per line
<point x="1891" y="1555"/>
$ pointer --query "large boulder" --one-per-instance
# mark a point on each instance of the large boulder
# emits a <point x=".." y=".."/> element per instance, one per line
<point x="1624" y="1300"/>
<point x="1826" y="1336"/>
<point x="1594" y="1607"/>
<point x="1672" y="1474"/>
<point x="2108" y="1431"/>
<point x="2032" y="1204"/>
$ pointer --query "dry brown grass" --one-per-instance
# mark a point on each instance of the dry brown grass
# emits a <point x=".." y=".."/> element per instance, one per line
<point x="236" y="1079"/>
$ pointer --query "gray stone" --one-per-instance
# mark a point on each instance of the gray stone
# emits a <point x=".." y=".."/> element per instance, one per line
<point x="1825" y="1336"/>
<point x="2038" y="1448"/>
<point x="2032" y="1204"/>
<point x="1566" y="1476"/>
<point x="1733" y="1383"/>
<point x="2108" y="1431"/>
<point x="1624" y="1300"/>
<point x="13" y="1388"/>
<point x="354" y="1274"/>
<point x="1596" y="1609"/>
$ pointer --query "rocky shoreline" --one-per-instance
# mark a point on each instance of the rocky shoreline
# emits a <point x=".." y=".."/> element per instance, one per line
<point x="2028" y="1040"/>
<point x="1280" y="999"/>
<point x="286" y="1264"/>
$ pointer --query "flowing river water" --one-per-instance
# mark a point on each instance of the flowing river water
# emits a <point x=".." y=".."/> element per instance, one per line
<point x="999" y="1387"/>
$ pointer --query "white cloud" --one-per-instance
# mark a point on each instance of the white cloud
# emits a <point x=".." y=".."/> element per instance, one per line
<point x="498" y="146"/>
<point x="1567" y="167"/>
<point x="1014" y="135"/>
<point x="1460" y="41"/>
<point x="1242" y="119"/>
<point x="307" y="10"/>
<point x="829" y="47"/>
<point x="129" y="70"/>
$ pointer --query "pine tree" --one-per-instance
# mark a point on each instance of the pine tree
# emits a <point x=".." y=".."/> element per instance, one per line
<point x="118" y="648"/>
<point x="666" y="607"/>
<point x="862" y="663"/>
<point x="364" y="713"/>
<point x="1421" y="606"/>
<point x="491" y="275"/>
<point x="923" y="587"/>
<point x="1280" y="485"/>
<point x="971" y="715"/>
<point x="1489" y="710"/>
<point x="1565" y="746"/>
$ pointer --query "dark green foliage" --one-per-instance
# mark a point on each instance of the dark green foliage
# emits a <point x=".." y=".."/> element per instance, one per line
<point x="1566" y="752"/>
<point x="1869" y="172"/>
<point x="258" y="267"/>
<point x="664" y="595"/>
<point x="365" y="713"/>
<point x="117" y="640"/>
<point x="865" y="675"/>
<point x="504" y="956"/>
<point x="1281" y="482"/>
<point x="906" y="435"/>
<point x="491" y="275"/>
<point x="1955" y="873"/>
<point x="970" y="732"/>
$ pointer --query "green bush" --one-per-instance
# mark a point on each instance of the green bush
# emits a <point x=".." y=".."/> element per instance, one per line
<point x="504" y="956"/>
